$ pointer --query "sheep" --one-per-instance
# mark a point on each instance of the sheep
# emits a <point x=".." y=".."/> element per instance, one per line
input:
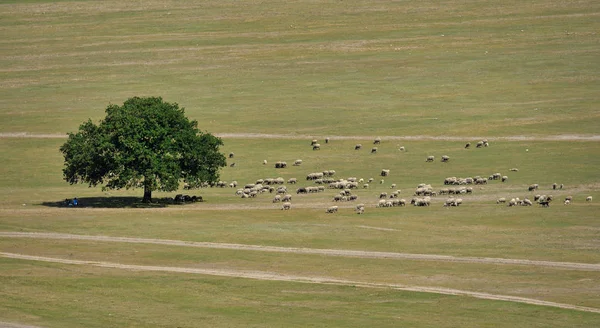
<point x="445" y="158"/>
<point x="512" y="202"/>
<point x="588" y="199"/>
<point x="337" y="198"/>
<point x="231" y="155"/>
<point x="381" y="181"/>
<point x="504" y="178"/>
<point x="467" y="145"/>
<point x="366" y="186"/>
<point x="393" y="186"/>
<point x="430" y="159"/>
<point x="514" y="169"/>
<point x="377" y="141"/>
<point x="479" y="144"/>
<point x="332" y="209"/>
<point x="316" y="146"/>
<point x="301" y="190"/>
<point x="327" y="140"/>
<point x="402" y="148"/>
<point x="567" y="202"/>
<point x="373" y="150"/>
<point x="264" y="162"/>
<point x="352" y="198"/>
<point x="561" y="186"/>
<point x="381" y="203"/>
<point x="533" y="187"/>
<point x="277" y="198"/>
<point x="298" y="162"/>
<point x="360" y="209"/>
<point x="526" y="202"/>
<point x="554" y="185"/>
<point x="501" y="200"/>
<point x="402" y="202"/>
<point x="232" y="164"/>
<point x="286" y="198"/>
<point x="280" y="165"/>
<point x="383" y="195"/>
<point x="357" y="147"/>
<point x="569" y="198"/>
<point x="385" y="172"/>
<point x="371" y="180"/>
<point x="314" y="142"/>
<point x="286" y="206"/>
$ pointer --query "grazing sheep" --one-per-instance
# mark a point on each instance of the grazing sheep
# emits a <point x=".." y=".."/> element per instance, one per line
<point x="301" y="190"/>
<point x="316" y="146"/>
<point x="264" y="162"/>
<point x="366" y="186"/>
<point x="381" y="203"/>
<point x="402" y="202"/>
<point x="569" y="198"/>
<point x="385" y="172"/>
<point x="373" y="150"/>
<point x="383" y="195"/>
<point x="479" y="144"/>
<point x="501" y="200"/>
<point x="561" y="186"/>
<point x="554" y="185"/>
<point x="280" y="165"/>
<point x="286" y="198"/>
<point x="445" y="158"/>
<point x="371" y="180"/>
<point x="232" y="164"/>
<point x="337" y="198"/>
<point x="297" y="162"/>
<point x="381" y="181"/>
<point x="327" y="140"/>
<point x="567" y="202"/>
<point x="231" y="155"/>
<point x="286" y="206"/>
<point x="588" y="199"/>
<point x="360" y="209"/>
<point x="292" y="181"/>
<point x="393" y="186"/>
<point x="277" y="198"/>
<point x="512" y="202"/>
<point x="402" y="148"/>
<point x="314" y="142"/>
<point x="533" y="187"/>
<point x="377" y="141"/>
<point x="514" y="169"/>
<point x="332" y="209"/>
<point x="357" y="146"/>
<point x="504" y="178"/>
<point x="430" y="159"/>
<point x="467" y="145"/>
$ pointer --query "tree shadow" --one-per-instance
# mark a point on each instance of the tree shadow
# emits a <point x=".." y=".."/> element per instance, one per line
<point x="115" y="202"/>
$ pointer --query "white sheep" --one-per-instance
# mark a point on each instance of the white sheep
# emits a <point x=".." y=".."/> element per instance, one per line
<point x="332" y="209"/>
<point x="286" y="206"/>
<point x="588" y="199"/>
<point x="385" y="172"/>
<point x="430" y="159"/>
<point x="316" y="146"/>
<point x="377" y="141"/>
<point x="277" y="198"/>
<point x="501" y="200"/>
<point x="373" y="150"/>
<point x="393" y="186"/>
<point x="265" y="162"/>
<point x="357" y="146"/>
<point x="286" y="198"/>
<point x="297" y="162"/>
<point x="567" y="202"/>
<point x="445" y="158"/>
<point x="402" y="148"/>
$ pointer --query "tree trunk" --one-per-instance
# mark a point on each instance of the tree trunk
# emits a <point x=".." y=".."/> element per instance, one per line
<point x="147" y="194"/>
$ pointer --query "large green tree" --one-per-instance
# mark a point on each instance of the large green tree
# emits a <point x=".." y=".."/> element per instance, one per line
<point x="145" y="143"/>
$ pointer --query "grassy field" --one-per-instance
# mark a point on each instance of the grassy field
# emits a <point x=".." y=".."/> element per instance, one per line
<point x="454" y="70"/>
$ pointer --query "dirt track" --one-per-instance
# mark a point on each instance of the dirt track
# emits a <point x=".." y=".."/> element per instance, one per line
<point x="263" y="275"/>
<point x="314" y="251"/>
<point x="560" y="137"/>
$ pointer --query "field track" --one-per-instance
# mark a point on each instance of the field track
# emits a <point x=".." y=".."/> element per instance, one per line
<point x="560" y="137"/>
<point x="261" y="275"/>
<point x="313" y="251"/>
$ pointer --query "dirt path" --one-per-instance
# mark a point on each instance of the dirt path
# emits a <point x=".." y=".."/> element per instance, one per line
<point x="313" y="251"/>
<point x="15" y="325"/>
<point x="559" y="137"/>
<point x="273" y="276"/>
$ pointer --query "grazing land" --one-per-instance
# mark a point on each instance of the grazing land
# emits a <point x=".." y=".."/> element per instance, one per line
<point x="268" y="77"/>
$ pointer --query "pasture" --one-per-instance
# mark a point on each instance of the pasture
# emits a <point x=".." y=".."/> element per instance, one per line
<point x="268" y="77"/>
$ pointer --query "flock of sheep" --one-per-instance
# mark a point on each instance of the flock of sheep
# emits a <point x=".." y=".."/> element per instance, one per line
<point x="454" y="187"/>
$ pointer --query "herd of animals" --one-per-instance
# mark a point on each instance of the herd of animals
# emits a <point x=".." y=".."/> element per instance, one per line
<point x="454" y="187"/>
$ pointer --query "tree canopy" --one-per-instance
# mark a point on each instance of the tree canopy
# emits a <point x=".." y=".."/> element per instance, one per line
<point x="145" y="143"/>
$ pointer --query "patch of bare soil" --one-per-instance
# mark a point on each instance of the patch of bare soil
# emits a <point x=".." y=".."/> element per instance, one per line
<point x="559" y="137"/>
<point x="273" y="276"/>
<point x="314" y="251"/>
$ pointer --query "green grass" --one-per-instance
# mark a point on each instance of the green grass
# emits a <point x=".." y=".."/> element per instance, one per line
<point x="307" y="68"/>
